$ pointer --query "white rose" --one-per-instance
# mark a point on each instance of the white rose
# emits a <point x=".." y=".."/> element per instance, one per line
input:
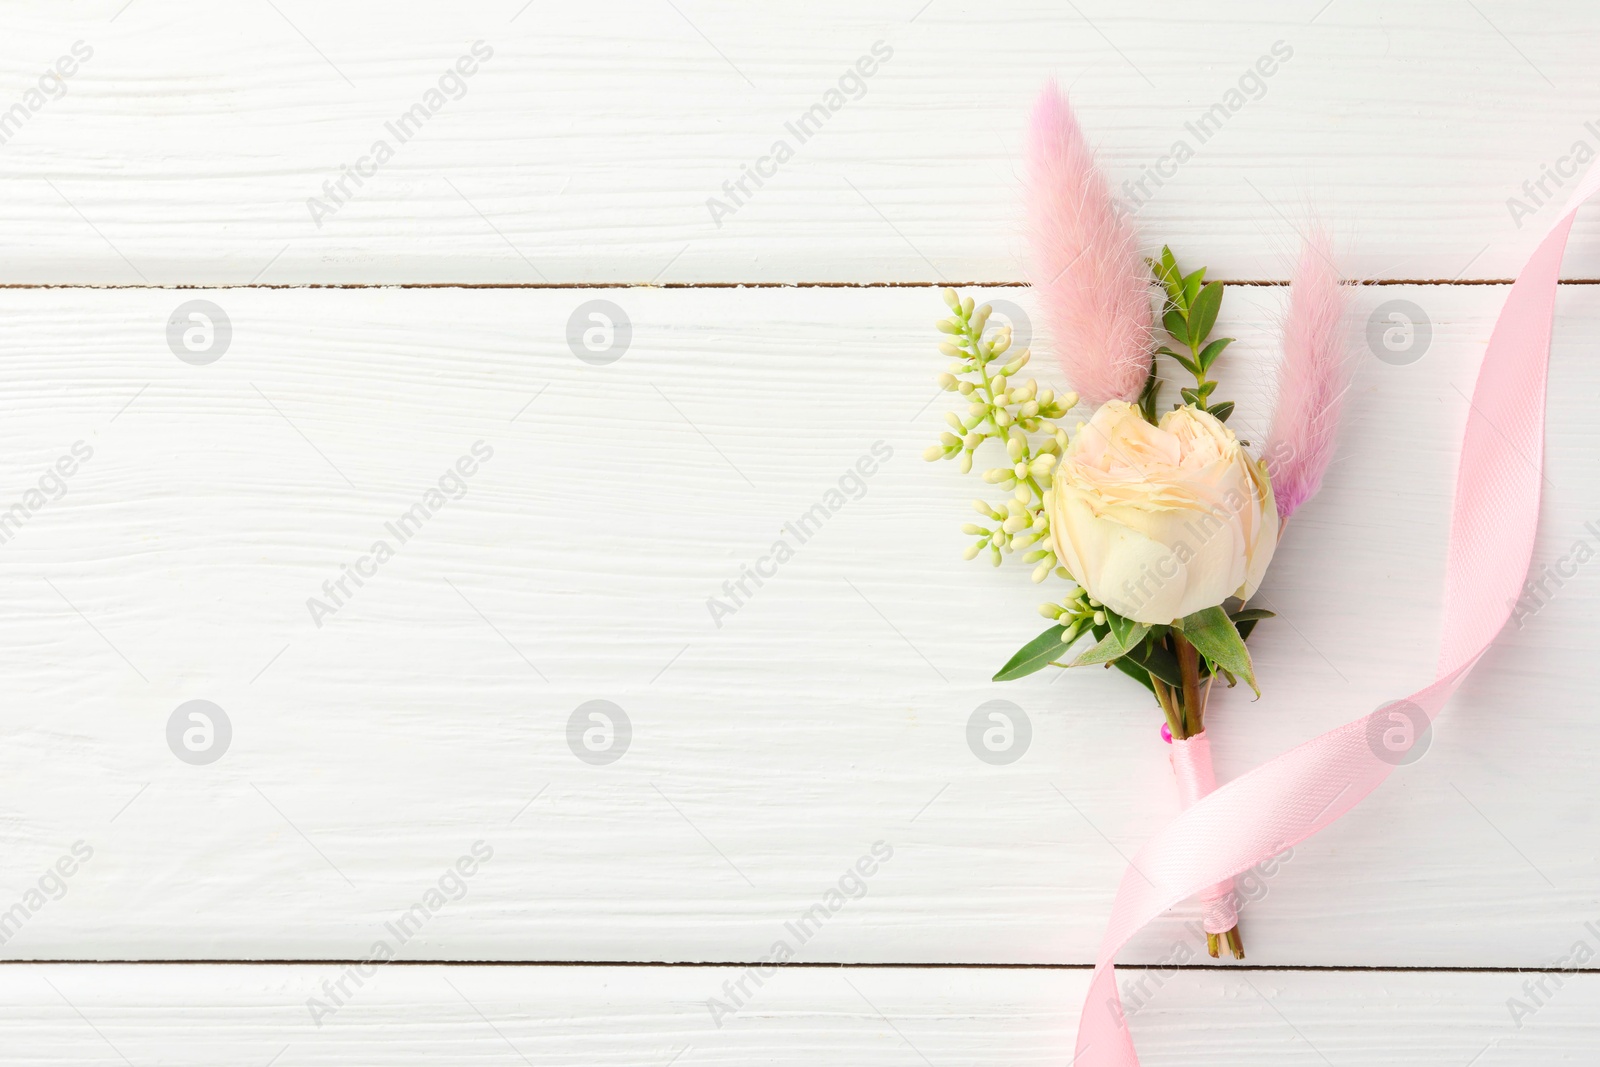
<point x="1158" y="522"/>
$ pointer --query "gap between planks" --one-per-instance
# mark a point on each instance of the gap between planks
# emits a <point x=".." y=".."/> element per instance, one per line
<point x="1257" y="282"/>
<point x="815" y="965"/>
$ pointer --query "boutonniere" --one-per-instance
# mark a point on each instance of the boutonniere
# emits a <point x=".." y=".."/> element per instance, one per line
<point x="1126" y="491"/>
<point x="1161" y="522"/>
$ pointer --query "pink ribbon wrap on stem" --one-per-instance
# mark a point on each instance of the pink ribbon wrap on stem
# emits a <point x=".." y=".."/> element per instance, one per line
<point x="1191" y="766"/>
<point x="1286" y="800"/>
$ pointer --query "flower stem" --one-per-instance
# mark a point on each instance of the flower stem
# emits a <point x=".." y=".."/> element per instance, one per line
<point x="1167" y="698"/>
<point x="1194" y="709"/>
<point x="1193" y="712"/>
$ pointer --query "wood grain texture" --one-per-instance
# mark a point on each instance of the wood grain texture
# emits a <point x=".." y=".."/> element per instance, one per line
<point x="767" y="755"/>
<point x="186" y="150"/>
<point x="406" y="766"/>
<point x="60" y="1016"/>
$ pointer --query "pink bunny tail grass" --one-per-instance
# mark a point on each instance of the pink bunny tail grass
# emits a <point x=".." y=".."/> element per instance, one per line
<point x="1093" y="285"/>
<point x="1312" y="379"/>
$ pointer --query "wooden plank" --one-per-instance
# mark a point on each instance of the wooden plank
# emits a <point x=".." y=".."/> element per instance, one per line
<point x="61" y="1015"/>
<point x="589" y="142"/>
<point x="432" y="709"/>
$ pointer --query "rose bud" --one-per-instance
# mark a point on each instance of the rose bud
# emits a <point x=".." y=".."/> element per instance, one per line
<point x="1158" y="522"/>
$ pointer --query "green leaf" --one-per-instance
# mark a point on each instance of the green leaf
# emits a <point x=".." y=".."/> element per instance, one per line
<point x="1167" y="271"/>
<point x="1136" y="672"/>
<point x="1203" y="312"/>
<point x="1112" y="647"/>
<point x="1246" y="620"/>
<point x="1176" y="325"/>
<point x="1034" y="656"/>
<point x="1216" y="638"/>
<point x="1122" y="636"/>
<point x="1191" y="288"/>
<point x="1154" y="659"/>
<point x="1206" y="390"/>
<point x="1126" y="631"/>
<point x="1222" y="411"/>
<point x="1108" y="648"/>
<point x="1172" y="277"/>
<point x="1191" y="397"/>
<point x="1148" y="395"/>
<point x="1210" y="353"/>
<point x="1252" y="614"/>
<point x="1187" y="364"/>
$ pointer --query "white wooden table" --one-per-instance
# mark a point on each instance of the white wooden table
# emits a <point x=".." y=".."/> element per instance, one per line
<point x="383" y="328"/>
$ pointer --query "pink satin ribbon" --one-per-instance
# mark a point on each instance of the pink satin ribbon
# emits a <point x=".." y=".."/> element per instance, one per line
<point x="1287" y="799"/>
<point x="1191" y="766"/>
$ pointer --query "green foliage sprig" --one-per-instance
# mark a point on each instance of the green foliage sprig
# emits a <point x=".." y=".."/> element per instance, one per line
<point x="1019" y="417"/>
<point x="1188" y="314"/>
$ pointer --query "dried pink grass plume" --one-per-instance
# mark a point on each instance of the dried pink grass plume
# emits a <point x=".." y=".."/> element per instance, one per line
<point x="1312" y="379"/>
<point x="1093" y="285"/>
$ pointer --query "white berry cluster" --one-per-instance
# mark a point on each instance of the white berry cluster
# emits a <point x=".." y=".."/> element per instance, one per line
<point x="1019" y="416"/>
